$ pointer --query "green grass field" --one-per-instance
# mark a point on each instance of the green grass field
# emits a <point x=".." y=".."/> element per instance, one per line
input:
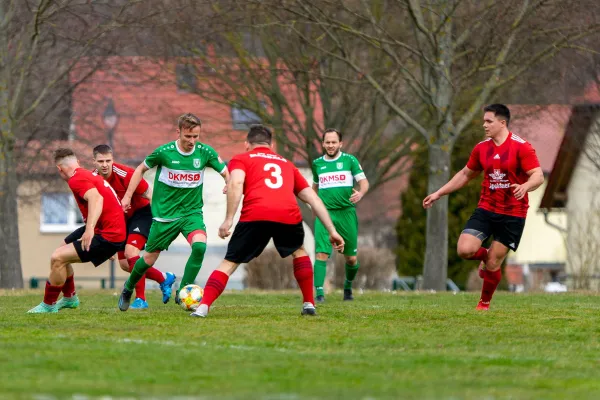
<point x="257" y="346"/>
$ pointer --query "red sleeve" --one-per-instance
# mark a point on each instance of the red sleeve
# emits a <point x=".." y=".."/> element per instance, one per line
<point x="80" y="186"/>
<point x="473" y="163"/>
<point x="236" y="163"/>
<point x="299" y="182"/>
<point x="528" y="157"/>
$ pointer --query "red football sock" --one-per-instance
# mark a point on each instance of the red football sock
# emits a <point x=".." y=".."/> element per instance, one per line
<point x="303" y="272"/>
<point x="155" y="275"/>
<point x="481" y="254"/>
<point x="490" y="283"/>
<point x="214" y="287"/>
<point x="51" y="293"/>
<point x="68" y="289"/>
<point x="140" y="288"/>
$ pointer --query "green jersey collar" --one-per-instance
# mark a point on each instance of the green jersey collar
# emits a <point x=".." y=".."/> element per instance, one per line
<point x="331" y="159"/>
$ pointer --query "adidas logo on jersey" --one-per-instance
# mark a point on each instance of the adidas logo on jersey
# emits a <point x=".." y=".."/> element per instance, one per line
<point x="134" y="242"/>
<point x="512" y="245"/>
<point x="496" y="157"/>
<point x="136" y="229"/>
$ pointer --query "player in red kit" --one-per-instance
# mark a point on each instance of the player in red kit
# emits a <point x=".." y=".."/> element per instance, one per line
<point x="139" y="220"/>
<point x="104" y="233"/>
<point x="511" y="169"/>
<point x="270" y="184"/>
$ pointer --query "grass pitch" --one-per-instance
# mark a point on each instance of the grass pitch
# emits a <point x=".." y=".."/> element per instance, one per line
<point x="256" y="345"/>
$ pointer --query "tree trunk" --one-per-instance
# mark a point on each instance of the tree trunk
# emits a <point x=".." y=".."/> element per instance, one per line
<point x="435" y="270"/>
<point x="11" y="275"/>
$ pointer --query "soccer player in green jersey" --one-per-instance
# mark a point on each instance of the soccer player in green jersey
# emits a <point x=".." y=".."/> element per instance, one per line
<point x="333" y="179"/>
<point x="177" y="201"/>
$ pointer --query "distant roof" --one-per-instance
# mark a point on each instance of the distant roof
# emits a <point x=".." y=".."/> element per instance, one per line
<point x="543" y="126"/>
<point x="578" y="128"/>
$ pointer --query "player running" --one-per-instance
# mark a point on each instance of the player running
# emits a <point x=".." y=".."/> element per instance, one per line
<point x="333" y="179"/>
<point x="270" y="184"/>
<point x="104" y="233"/>
<point x="177" y="201"/>
<point x="139" y="220"/>
<point x="511" y="169"/>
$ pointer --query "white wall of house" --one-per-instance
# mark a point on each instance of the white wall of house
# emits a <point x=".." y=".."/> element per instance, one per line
<point x="540" y="242"/>
<point x="583" y="207"/>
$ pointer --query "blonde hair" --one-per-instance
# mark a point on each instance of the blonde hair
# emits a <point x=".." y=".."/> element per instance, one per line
<point x="188" y="122"/>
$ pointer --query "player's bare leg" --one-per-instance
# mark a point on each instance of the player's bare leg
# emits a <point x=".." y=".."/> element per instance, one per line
<point x="216" y="283"/>
<point x="141" y="265"/>
<point x="320" y="274"/>
<point x="492" y="274"/>
<point x="469" y="247"/>
<point x="59" y="269"/>
<point x="351" y="268"/>
<point x="303" y="272"/>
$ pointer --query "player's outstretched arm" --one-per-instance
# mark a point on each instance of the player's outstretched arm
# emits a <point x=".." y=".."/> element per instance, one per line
<point x="95" y="203"/>
<point x="459" y="180"/>
<point x="235" y="189"/>
<point x="226" y="176"/>
<point x="136" y="178"/>
<point x="311" y="198"/>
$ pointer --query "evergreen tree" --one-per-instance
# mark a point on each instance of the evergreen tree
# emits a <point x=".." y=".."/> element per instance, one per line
<point x="410" y="227"/>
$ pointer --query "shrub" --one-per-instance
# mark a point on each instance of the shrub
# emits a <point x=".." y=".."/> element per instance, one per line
<point x="270" y="271"/>
<point x="377" y="268"/>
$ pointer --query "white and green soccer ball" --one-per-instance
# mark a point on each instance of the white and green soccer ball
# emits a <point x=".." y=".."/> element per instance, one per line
<point x="190" y="296"/>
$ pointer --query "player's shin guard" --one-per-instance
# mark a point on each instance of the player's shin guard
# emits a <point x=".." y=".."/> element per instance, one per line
<point x="491" y="279"/>
<point x="214" y="287"/>
<point x="68" y="288"/>
<point x="137" y="273"/>
<point x="320" y="274"/>
<point x="194" y="263"/>
<point x="351" y="271"/>
<point x="51" y="293"/>
<point x="304" y="275"/>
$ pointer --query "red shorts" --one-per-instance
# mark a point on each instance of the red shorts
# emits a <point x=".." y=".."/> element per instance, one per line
<point x="136" y="240"/>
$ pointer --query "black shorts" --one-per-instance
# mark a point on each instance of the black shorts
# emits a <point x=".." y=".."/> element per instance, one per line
<point x="505" y="229"/>
<point x="140" y="222"/>
<point x="249" y="239"/>
<point x="100" y="248"/>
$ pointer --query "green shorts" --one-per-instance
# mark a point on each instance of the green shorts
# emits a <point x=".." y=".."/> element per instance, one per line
<point x="162" y="234"/>
<point x="346" y="223"/>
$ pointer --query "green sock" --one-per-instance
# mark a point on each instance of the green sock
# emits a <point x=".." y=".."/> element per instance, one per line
<point x="139" y="269"/>
<point x="351" y="271"/>
<point x="193" y="265"/>
<point x="320" y="273"/>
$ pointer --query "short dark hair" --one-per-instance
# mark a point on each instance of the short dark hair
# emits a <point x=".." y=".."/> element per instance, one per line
<point x="188" y="122"/>
<point x="102" y="149"/>
<point x="62" y="153"/>
<point x="499" y="110"/>
<point x="259" y="134"/>
<point x="329" y="130"/>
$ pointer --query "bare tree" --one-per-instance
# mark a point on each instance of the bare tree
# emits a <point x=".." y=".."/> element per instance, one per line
<point x="41" y="42"/>
<point x="253" y="64"/>
<point x="453" y="56"/>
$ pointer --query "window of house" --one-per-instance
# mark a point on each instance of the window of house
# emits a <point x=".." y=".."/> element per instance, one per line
<point x="59" y="213"/>
<point x="186" y="77"/>
<point x="242" y="118"/>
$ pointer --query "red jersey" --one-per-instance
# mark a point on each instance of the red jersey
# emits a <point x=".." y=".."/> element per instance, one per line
<point x="503" y="166"/>
<point x="111" y="224"/>
<point x="270" y="188"/>
<point x="119" y="180"/>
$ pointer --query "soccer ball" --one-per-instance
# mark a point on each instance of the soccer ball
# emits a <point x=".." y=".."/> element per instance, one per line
<point x="190" y="296"/>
